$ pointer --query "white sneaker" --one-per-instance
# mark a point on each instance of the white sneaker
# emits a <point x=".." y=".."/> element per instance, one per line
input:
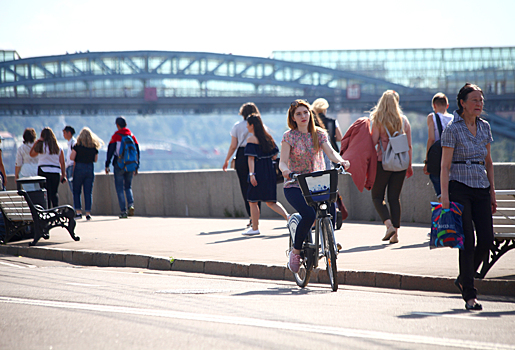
<point x="251" y="232"/>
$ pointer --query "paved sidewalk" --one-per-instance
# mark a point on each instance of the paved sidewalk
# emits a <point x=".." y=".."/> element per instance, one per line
<point x="216" y="246"/>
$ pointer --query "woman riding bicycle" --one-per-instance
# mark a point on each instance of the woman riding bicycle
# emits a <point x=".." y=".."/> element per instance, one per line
<point x="301" y="153"/>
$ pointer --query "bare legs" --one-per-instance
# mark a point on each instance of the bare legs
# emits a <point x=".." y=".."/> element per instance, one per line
<point x="255" y="212"/>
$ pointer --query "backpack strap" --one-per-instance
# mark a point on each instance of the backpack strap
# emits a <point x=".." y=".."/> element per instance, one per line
<point x="438" y="124"/>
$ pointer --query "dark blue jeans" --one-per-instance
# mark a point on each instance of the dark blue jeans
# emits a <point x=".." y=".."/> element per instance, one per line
<point x="435" y="179"/>
<point x="83" y="177"/>
<point x="123" y="185"/>
<point x="69" y="176"/>
<point x="296" y="199"/>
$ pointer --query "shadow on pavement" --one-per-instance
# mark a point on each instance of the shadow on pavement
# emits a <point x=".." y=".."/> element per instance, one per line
<point x="285" y="291"/>
<point x="365" y="248"/>
<point x="242" y="238"/>
<point x="220" y="232"/>
<point x="412" y="246"/>
<point x="455" y="312"/>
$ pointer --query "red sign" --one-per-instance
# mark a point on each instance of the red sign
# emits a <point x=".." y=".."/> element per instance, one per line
<point x="150" y="94"/>
<point x="354" y="92"/>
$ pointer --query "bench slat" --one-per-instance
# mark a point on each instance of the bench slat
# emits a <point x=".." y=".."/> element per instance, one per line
<point x="13" y="204"/>
<point x="505" y="235"/>
<point x="504" y="228"/>
<point x="20" y="217"/>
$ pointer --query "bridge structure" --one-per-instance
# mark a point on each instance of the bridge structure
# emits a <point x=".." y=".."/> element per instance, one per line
<point x="167" y="82"/>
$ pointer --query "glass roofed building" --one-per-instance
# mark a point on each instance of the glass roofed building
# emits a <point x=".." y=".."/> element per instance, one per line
<point x="492" y="68"/>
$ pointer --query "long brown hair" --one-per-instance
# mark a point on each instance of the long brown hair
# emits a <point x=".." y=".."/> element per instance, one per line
<point x="266" y="141"/>
<point x="312" y="128"/>
<point x="50" y="140"/>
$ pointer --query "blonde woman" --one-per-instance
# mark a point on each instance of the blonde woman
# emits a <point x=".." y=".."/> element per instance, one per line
<point x="84" y="154"/>
<point x="50" y="163"/>
<point x="388" y="114"/>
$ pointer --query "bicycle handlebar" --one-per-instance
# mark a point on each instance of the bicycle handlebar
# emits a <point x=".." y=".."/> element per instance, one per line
<point x="293" y="176"/>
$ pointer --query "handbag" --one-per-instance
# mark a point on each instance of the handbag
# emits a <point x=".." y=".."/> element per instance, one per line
<point x="446" y="226"/>
<point x="434" y="155"/>
<point x="279" y="179"/>
<point x="396" y="155"/>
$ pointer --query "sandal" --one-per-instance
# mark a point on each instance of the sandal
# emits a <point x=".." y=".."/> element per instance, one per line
<point x="389" y="233"/>
<point x="458" y="285"/>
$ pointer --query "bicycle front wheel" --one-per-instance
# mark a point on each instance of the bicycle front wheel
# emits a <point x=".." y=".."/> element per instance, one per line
<point x="302" y="277"/>
<point x="330" y="253"/>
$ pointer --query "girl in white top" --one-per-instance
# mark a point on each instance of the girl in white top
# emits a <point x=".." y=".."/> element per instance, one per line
<point x="239" y="135"/>
<point x="26" y="166"/>
<point x="50" y="163"/>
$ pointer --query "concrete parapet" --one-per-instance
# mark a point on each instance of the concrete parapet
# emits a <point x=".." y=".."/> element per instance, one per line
<point x="215" y="193"/>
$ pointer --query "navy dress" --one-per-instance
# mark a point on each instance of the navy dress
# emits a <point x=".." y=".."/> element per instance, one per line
<point x="266" y="189"/>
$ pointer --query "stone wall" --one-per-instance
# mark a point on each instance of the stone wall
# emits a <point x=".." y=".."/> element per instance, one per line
<point x="214" y="193"/>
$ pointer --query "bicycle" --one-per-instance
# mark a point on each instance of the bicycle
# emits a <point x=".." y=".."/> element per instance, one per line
<point x="319" y="191"/>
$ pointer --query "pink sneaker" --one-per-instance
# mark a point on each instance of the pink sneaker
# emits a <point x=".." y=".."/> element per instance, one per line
<point x="294" y="262"/>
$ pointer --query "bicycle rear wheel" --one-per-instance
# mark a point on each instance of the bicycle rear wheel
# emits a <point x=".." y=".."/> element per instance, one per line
<point x="302" y="277"/>
<point x="330" y="253"/>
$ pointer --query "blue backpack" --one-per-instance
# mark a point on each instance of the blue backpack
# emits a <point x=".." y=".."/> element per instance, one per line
<point x="128" y="158"/>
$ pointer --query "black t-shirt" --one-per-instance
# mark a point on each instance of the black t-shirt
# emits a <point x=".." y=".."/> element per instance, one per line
<point x="85" y="154"/>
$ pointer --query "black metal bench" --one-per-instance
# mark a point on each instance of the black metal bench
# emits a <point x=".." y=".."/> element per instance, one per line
<point x="504" y="229"/>
<point x="20" y="213"/>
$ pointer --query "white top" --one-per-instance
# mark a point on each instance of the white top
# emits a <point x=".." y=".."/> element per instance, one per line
<point x="67" y="161"/>
<point x="445" y="119"/>
<point x="52" y="160"/>
<point x="239" y="130"/>
<point x="29" y="165"/>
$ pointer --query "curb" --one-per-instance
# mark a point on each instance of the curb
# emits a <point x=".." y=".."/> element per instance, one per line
<point x="357" y="278"/>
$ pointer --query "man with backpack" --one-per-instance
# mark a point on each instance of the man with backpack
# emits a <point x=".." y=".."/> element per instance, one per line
<point x="436" y="124"/>
<point x="125" y="149"/>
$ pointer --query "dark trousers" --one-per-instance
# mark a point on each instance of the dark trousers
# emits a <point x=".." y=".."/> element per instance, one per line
<point x="52" y="185"/>
<point x="392" y="182"/>
<point x="242" y="170"/>
<point x="296" y="199"/>
<point x="83" y="177"/>
<point x="477" y="209"/>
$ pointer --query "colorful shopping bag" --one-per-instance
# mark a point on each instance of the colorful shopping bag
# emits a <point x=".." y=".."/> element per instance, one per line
<point x="446" y="226"/>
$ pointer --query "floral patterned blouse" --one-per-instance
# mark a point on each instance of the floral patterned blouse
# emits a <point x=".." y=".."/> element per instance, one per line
<point x="303" y="157"/>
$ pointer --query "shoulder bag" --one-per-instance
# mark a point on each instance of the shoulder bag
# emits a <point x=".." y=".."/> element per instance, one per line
<point x="396" y="155"/>
<point x="434" y="155"/>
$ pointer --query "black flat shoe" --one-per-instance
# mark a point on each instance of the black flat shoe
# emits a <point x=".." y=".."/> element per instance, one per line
<point x="458" y="285"/>
<point x="476" y="307"/>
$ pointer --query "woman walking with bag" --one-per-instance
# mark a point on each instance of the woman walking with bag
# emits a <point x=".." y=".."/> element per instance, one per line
<point x="50" y="164"/>
<point x="467" y="177"/>
<point x="260" y="150"/>
<point x="84" y="154"/>
<point x="387" y="120"/>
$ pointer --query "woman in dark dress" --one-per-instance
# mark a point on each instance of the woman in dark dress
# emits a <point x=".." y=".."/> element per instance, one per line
<point x="84" y="154"/>
<point x="261" y="150"/>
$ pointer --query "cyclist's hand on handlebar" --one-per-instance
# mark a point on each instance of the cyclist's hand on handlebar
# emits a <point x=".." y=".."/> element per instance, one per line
<point x="345" y="164"/>
<point x="290" y="175"/>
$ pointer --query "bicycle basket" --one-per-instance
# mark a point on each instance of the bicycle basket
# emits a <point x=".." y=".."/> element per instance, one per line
<point x="319" y="186"/>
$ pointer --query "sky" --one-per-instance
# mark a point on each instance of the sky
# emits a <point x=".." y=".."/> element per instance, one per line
<point x="251" y="28"/>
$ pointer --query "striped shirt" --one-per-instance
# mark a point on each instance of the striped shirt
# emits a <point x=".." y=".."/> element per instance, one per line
<point x="468" y="148"/>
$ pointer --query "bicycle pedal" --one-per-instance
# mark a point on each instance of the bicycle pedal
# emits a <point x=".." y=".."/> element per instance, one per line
<point x="339" y="246"/>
